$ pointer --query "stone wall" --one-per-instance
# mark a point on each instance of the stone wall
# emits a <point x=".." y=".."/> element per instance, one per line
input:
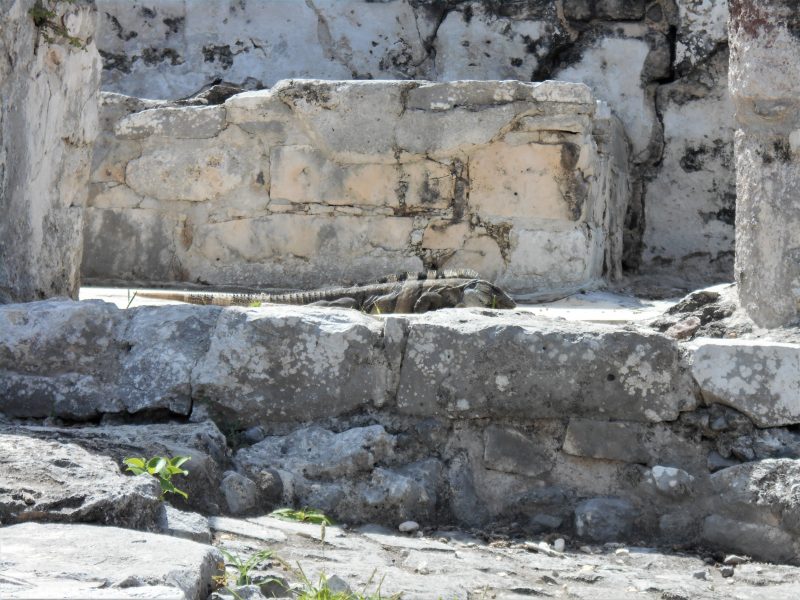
<point x="48" y="121"/>
<point x="321" y="182"/>
<point x="480" y="418"/>
<point x="765" y="84"/>
<point x="660" y="65"/>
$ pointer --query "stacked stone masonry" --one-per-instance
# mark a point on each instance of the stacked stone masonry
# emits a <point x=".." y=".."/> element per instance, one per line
<point x="467" y="416"/>
<point x="315" y="183"/>
<point x="660" y="65"/>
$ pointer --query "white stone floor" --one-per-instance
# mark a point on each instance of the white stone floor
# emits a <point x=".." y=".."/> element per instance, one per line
<point x="592" y="306"/>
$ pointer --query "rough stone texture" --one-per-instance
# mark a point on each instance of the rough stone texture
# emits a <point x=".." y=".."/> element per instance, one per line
<point x="755" y="377"/>
<point x="40" y="561"/>
<point x="81" y="360"/>
<point x="317" y="182"/>
<point x="764" y="38"/>
<point x="187" y="525"/>
<point x="48" y="121"/>
<point x="46" y="480"/>
<point x="604" y="519"/>
<point x="241" y="493"/>
<point x="203" y="442"/>
<point x="657" y="63"/>
<point x="514" y="367"/>
<point x="608" y="440"/>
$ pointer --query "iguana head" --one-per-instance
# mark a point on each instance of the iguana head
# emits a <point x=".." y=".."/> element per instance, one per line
<point x="480" y="293"/>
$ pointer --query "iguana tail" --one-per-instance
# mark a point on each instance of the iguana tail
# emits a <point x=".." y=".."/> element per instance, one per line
<point x="206" y="298"/>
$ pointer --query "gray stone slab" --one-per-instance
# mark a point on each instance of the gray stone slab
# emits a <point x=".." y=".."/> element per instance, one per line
<point x="511" y="451"/>
<point x="608" y="440"/>
<point x="759" y="378"/>
<point x="473" y="365"/>
<point x="83" y="558"/>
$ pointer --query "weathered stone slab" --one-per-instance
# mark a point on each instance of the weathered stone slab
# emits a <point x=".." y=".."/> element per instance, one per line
<point x="81" y="360"/>
<point x="203" y="442"/>
<point x="203" y="122"/>
<point x="84" y="561"/>
<point x="760" y="379"/>
<point x="182" y="524"/>
<point x="291" y="364"/>
<point x="523" y="367"/>
<point x="760" y="541"/>
<point x="609" y="440"/>
<point x="510" y="451"/>
<point x="44" y="480"/>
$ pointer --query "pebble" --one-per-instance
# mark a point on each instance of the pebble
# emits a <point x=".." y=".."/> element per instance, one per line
<point x="726" y="571"/>
<point x="702" y="574"/>
<point x="559" y="545"/>
<point x="734" y="559"/>
<point x="408" y="526"/>
<point x="622" y="552"/>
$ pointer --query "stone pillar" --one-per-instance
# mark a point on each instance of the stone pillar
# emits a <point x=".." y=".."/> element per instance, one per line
<point x="765" y="86"/>
<point x="49" y="84"/>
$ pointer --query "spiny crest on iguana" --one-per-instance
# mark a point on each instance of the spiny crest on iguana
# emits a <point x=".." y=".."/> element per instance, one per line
<point x="405" y="293"/>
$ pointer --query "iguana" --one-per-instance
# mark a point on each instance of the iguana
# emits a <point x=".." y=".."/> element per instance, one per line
<point x="408" y="293"/>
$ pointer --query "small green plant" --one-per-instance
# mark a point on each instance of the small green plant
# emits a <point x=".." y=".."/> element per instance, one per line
<point x="243" y="567"/>
<point x="304" y="515"/>
<point x="44" y="17"/>
<point x="161" y="467"/>
<point x="323" y="591"/>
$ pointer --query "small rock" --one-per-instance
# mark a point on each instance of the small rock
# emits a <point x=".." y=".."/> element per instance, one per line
<point x="240" y="492"/>
<point x="188" y="525"/>
<point x="243" y="592"/>
<point x="726" y="571"/>
<point x="254" y="434"/>
<point x="601" y="519"/>
<point x="337" y="585"/>
<point x="408" y="526"/>
<point x="735" y="559"/>
<point x="272" y="585"/>
<point x="622" y="552"/>
<point x="671" y="481"/>
<point x="684" y="328"/>
<point x="549" y="580"/>
<point x="559" y="545"/>
<point x="703" y="574"/>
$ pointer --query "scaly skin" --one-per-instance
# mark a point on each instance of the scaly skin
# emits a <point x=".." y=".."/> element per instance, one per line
<point x="397" y="296"/>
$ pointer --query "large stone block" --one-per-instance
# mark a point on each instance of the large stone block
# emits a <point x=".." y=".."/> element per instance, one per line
<point x="760" y="379"/>
<point x="133" y="564"/>
<point x="48" y="122"/>
<point x="504" y="367"/>
<point x="291" y="364"/>
<point x="608" y="440"/>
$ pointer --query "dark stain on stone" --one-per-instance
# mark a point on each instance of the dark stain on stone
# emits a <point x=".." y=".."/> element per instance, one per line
<point x="260" y="178"/>
<point x="521" y="10"/>
<point x="147" y="13"/>
<point x="218" y="53"/>
<point x="467" y="13"/>
<point x="516" y="62"/>
<point x="154" y="56"/>
<point x="115" y="62"/>
<point x="570" y="153"/>
<point x="779" y="150"/>
<point x="692" y="159"/>
<point x="119" y="30"/>
<point x="174" y="24"/>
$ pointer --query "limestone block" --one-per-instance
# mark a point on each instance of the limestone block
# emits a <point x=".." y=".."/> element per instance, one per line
<point x="271" y="365"/>
<point x="697" y="175"/>
<point x="612" y="67"/>
<point x="48" y="122"/>
<point x="442" y="235"/>
<point x="757" y="378"/>
<point x="518" y="181"/>
<point x="608" y="440"/>
<point x="111" y="157"/>
<point x="511" y="451"/>
<point x="303" y="174"/>
<point x="182" y="524"/>
<point x="426" y="185"/>
<point x="112" y="195"/>
<point x="190" y="170"/>
<point x="112" y="557"/>
<point x="137" y="244"/>
<point x="494" y="367"/>
<point x="537" y="256"/>
<point x="60" y="482"/>
<point x="481" y="254"/>
<point x="181" y="123"/>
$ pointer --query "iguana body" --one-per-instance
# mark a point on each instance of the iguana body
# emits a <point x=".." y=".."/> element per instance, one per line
<point x="407" y="294"/>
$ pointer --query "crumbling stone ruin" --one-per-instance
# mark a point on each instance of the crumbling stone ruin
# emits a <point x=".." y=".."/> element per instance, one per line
<point x="629" y="171"/>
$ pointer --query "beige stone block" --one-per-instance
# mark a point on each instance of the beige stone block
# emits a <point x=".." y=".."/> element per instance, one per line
<point x="112" y="195"/>
<point x="445" y="235"/>
<point x="111" y="156"/>
<point x="480" y="253"/>
<point x="305" y="175"/>
<point x="517" y="181"/>
<point x="188" y="170"/>
<point x="430" y="185"/>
